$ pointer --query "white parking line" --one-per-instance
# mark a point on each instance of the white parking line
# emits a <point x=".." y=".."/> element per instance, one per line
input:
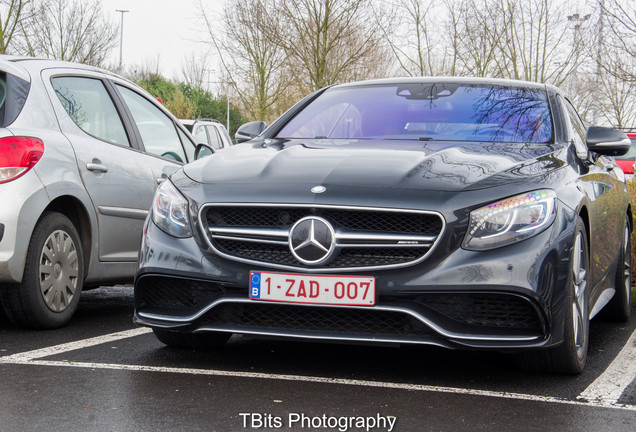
<point x="611" y="384"/>
<point x="32" y="358"/>
<point x="72" y="346"/>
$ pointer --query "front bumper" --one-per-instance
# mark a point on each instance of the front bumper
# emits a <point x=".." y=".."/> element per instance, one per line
<point x="508" y="298"/>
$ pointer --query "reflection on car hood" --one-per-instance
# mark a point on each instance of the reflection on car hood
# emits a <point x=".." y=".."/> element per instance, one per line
<point x="432" y="165"/>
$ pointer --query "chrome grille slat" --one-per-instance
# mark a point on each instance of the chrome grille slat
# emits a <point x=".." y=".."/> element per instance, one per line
<point x="343" y="238"/>
<point x="367" y="235"/>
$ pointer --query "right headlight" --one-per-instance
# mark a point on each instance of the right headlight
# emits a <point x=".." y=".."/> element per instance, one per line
<point x="511" y="220"/>
<point x="170" y="211"/>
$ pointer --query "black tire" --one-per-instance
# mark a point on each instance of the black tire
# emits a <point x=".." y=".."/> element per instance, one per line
<point x="570" y="356"/>
<point x="179" y="339"/>
<point x="619" y="307"/>
<point x="53" y="275"/>
<point x="4" y="320"/>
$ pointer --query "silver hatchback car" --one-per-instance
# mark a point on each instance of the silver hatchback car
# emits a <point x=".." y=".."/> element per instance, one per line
<point x="81" y="153"/>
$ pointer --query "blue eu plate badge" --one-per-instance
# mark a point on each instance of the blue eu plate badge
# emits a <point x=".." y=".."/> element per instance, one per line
<point x="255" y="285"/>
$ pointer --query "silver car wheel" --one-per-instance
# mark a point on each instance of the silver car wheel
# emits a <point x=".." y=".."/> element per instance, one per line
<point x="59" y="270"/>
<point x="579" y="309"/>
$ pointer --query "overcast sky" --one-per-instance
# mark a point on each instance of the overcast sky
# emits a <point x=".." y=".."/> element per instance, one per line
<point x="167" y="30"/>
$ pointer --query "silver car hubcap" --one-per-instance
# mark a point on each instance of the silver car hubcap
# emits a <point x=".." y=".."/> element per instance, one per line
<point x="579" y="316"/>
<point x="59" y="269"/>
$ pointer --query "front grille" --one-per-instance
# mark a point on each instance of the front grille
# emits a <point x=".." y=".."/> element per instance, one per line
<point x="357" y="220"/>
<point x="494" y="310"/>
<point x="324" y="321"/>
<point x="371" y="238"/>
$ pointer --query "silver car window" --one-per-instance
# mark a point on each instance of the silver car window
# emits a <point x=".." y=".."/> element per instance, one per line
<point x="201" y="136"/>
<point x="89" y="105"/>
<point x="187" y="144"/>
<point x="215" y="139"/>
<point x="157" y="130"/>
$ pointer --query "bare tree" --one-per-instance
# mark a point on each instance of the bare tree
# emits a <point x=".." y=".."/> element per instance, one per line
<point x="251" y="62"/>
<point x="328" y="41"/>
<point x="195" y="71"/>
<point x="412" y="31"/>
<point x="618" y="106"/>
<point x="621" y="19"/>
<point x="475" y="29"/>
<point x="144" y="70"/>
<point x="532" y="43"/>
<point x="70" y="30"/>
<point x="499" y="38"/>
<point x="13" y="13"/>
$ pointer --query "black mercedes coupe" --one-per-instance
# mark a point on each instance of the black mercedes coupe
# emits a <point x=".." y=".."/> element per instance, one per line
<point x="462" y="213"/>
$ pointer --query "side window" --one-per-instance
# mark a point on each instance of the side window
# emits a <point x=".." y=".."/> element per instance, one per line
<point x="215" y="139"/>
<point x="187" y="144"/>
<point x="201" y="136"/>
<point x="88" y="103"/>
<point x="577" y="128"/>
<point x="577" y="125"/>
<point x="158" y="132"/>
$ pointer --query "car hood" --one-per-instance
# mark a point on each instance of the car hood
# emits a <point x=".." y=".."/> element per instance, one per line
<point x="435" y="166"/>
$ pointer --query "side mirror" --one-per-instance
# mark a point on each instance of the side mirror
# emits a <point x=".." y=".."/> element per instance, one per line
<point x="607" y="141"/>
<point x="249" y="130"/>
<point x="202" y="150"/>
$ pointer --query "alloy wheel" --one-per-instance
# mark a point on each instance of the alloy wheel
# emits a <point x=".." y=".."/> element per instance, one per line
<point x="579" y="308"/>
<point x="627" y="265"/>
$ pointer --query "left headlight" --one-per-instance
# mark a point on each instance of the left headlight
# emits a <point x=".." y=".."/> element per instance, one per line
<point x="511" y="220"/>
<point x="170" y="211"/>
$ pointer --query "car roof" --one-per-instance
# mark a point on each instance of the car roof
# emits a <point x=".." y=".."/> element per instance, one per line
<point x="34" y="65"/>
<point x="191" y="122"/>
<point x="450" y="80"/>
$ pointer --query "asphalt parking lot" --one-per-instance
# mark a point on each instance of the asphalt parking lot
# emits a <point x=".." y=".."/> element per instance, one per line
<point x="102" y="373"/>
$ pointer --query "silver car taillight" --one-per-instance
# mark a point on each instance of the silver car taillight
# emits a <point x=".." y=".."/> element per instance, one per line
<point x="18" y="155"/>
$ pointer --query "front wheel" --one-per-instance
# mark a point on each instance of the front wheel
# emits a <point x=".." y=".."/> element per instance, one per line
<point x="51" y="284"/>
<point x="570" y="356"/>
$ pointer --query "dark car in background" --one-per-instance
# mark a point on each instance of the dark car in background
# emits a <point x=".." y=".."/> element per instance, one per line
<point x="461" y="213"/>
<point x="626" y="161"/>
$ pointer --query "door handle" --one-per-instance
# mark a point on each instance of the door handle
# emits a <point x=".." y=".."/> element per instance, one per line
<point x="96" y="167"/>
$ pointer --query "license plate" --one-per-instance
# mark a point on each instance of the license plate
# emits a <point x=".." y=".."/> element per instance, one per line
<point x="316" y="289"/>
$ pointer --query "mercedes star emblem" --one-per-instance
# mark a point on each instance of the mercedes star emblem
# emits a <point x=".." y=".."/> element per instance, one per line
<point x="312" y="240"/>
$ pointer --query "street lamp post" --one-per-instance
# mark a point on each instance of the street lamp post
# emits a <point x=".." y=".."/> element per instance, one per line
<point x="230" y="84"/>
<point x="121" y="39"/>
<point x="577" y="42"/>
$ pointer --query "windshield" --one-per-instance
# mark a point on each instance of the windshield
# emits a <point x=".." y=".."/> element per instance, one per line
<point x="425" y="111"/>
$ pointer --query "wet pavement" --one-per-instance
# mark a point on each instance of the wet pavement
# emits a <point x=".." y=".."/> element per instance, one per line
<point x="102" y="373"/>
